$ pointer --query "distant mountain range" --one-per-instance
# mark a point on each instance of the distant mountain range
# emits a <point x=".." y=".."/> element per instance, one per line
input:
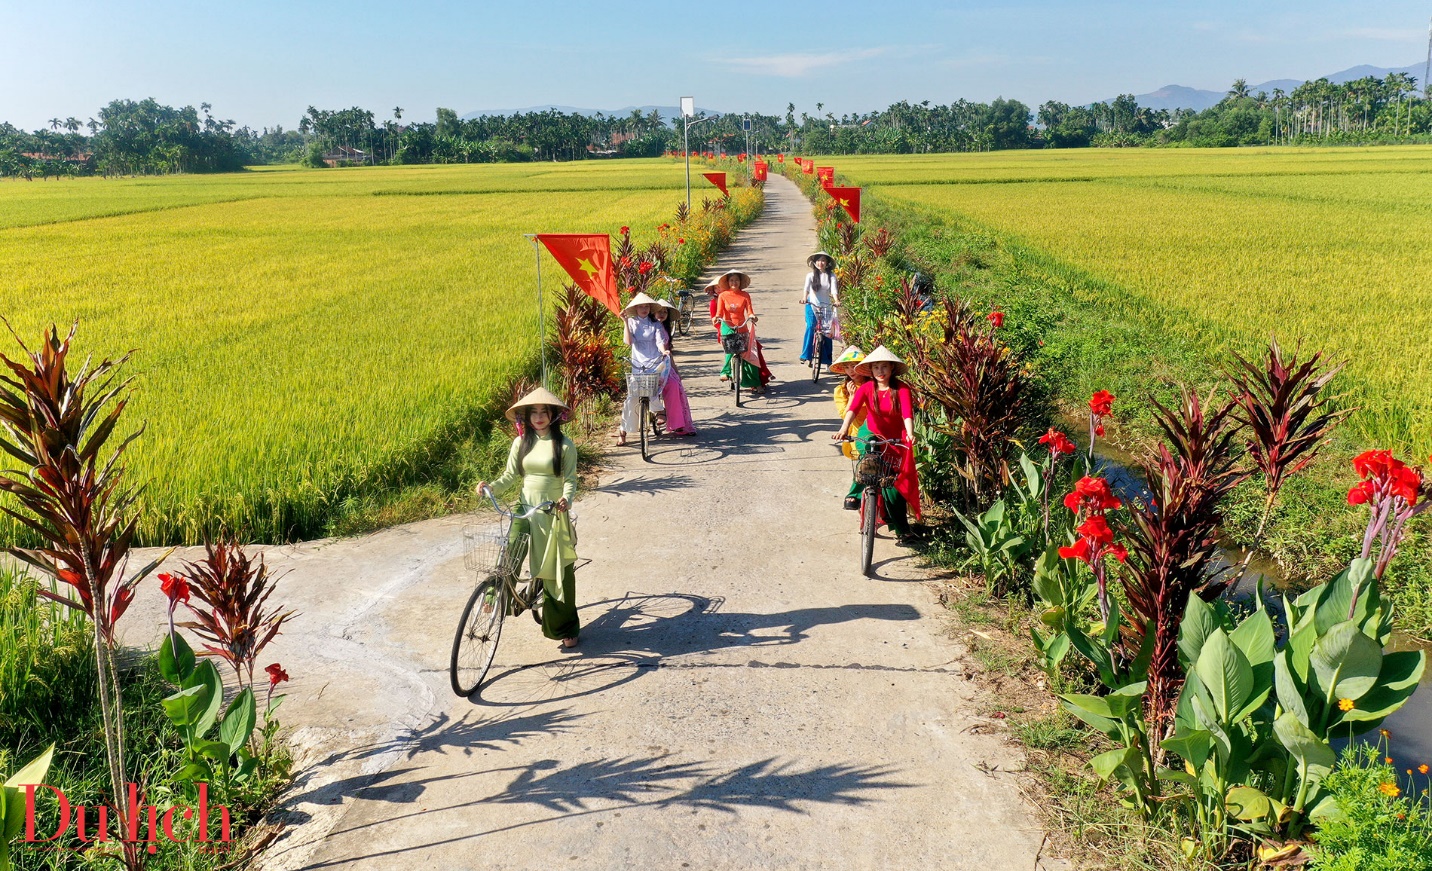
<point x="668" y="113"/>
<point x="1180" y="97"/>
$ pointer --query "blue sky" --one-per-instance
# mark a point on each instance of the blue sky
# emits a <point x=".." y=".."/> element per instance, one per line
<point x="262" y="62"/>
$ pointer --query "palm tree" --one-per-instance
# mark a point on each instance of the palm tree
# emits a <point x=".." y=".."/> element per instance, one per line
<point x="1239" y="89"/>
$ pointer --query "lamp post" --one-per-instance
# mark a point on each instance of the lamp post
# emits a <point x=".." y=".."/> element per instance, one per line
<point x="688" y="108"/>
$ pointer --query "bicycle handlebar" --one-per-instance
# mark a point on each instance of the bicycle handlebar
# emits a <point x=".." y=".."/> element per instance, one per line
<point x="544" y="508"/>
<point x="876" y="442"/>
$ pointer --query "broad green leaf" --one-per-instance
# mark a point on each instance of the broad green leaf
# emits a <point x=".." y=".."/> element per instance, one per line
<point x="208" y="675"/>
<point x="1247" y="803"/>
<point x="1226" y="675"/>
<point x="215" y="750"/>
<point x="1334" y="602"/>
<point x="1290" y="690"/>
<point x="239" y="720"/>
<point x="1198" y="623"/>
<point x="1400" y="675"/>
<point x="1193" y="747"/>
<point x="176" y="659"/>
<point x="1096" y="705"/>
<point x="1126" y="699"/>
<point x="1053" y="617"/>
<point x="34" y="771"/>
<point x="1106" y="764"/>
<point x="1313" y="754"/>
<point x="1346" y="662"/>
<point x="185" y="707"/>
<point x="1049" y="576"/>
<point x="195" y="772"/>
<point x="1325" y="810"/>
<point x="1103" y="722"/>
<point x="1256" y="638"/>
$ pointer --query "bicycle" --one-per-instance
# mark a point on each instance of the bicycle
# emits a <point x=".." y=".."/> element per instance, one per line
<point x="495" y="553"/>
<point x="685" y="308"/>
<point x="737" y="343"/>
<point x="876" y="468"/>
<point x="824" y="316"/>
<point x="646" y="385"/>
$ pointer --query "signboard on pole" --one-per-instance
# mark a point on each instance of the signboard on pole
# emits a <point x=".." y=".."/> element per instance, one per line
<point x="688" y="107"/>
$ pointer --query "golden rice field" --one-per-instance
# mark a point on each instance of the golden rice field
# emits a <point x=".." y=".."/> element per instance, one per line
<point x="301" y="334"/>
<point x="1333" y="246"/>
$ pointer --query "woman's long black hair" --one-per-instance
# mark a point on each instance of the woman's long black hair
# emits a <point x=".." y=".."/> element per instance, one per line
<point x="815" y="272"/>
<point x="529" y="438"/>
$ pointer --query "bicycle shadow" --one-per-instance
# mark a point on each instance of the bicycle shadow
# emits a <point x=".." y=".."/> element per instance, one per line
<point x="638" y="632"/>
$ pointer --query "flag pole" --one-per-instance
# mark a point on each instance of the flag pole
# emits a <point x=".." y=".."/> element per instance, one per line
<point x="541" y="309"/>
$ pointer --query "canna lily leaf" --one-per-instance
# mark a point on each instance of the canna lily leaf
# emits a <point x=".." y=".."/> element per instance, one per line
<point x="1400" y="675"/>
<point x="239" y="720"/>
<point x="185" y="707"/>
<point x="176" y="659"/>
<point x="1346" y="662"/>
<point x="1315" y="756"/>
<point x="207" y="675"/>
<point x="1289" y="689"/>
<point x="1256" y="638"/>
<point x="1198" y="623"/>
<point x="1106" y="765"/>
<point x="1248" y="803"/>
<point x="1225" y="674"/>
<point x="1193" y="747"/>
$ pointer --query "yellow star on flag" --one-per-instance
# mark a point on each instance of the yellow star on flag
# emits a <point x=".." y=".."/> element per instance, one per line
<point x="585" y="264"/>
<point x="845" y="203"/>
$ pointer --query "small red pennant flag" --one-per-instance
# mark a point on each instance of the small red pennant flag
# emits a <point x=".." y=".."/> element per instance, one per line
<point x="587" y="257"/>
<point x="826" y="173"/>
<point x="780" y="158"/>
<point x="808" y="168"/>
<point x="760" y="170"/>
<point x="718" y="179"/>
<point x="848" y="198"/>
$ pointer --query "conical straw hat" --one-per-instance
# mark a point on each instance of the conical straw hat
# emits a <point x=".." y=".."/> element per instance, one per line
<point x="851" y="356"/>
<point x="639" y="299"/>
<point x="540" y="396"/>
<point x="724" y="281"/>
<point x="810" y="261"/>
<point x="715" y="282"/>
<point x="881" y="354"/>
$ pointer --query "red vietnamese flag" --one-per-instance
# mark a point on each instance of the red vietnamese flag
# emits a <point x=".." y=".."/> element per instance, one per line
<point x="826" y="173"/>
<point x="718" y="179"/>
<point x="780" y="158"/>
<point x="848" y="198"/>
<point x="587" y="257"/>
<point x="760" y="170"/>
<point x="808" y="168"/>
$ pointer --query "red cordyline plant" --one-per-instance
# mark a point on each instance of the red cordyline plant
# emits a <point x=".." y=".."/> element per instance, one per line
<point x="1090" y="500"/>
<point x="1289" y="417"/>
<point x="232" y="617"/>
<point x="56" y="423"/>
<point x="589" y="367"/>
<point x="880" y="242"/>
<point x="1173" y="537"/>
<point x="848" y="234"/>
<point x="982" y="388"/>
<point x="1394" y="492"/>
<point x="1101" y="405"/>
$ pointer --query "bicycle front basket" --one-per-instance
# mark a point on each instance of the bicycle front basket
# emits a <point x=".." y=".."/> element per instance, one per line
<point x="734" y="343"/>
<point x="877" y="469"/>
<point x="647" y="385"/>
<point x="489" y="547"/>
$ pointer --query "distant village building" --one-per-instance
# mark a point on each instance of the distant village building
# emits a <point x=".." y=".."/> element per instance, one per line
<point x="343" y="156"/>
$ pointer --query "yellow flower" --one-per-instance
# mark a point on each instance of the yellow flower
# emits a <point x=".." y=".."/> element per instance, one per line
<point x="1345" y="705"/>
<point x="1423" y="769"/>
<point x="1384" y="733"/>
<point x="1388" y="760"/>
<point x="1391" y="790"/>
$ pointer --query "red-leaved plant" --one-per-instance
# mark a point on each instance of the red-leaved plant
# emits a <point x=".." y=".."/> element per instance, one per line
<point x="880" y="242"/>
<point x="232" y="616"/>
<point x="589" y="366"/>
<point x="56" y="424"/>
<point x="1289" y="417"/>
<point x="1173" y="537"/>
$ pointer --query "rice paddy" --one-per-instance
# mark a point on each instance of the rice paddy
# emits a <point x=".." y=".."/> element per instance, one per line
<point x="1325" y="246"/>
<point x="303" y="335"/>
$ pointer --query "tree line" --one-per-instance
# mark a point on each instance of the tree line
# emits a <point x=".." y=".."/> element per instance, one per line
<point x="144" y="137"/>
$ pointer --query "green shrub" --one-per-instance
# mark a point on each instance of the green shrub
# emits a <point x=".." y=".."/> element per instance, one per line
<point x="1378" y="829"/>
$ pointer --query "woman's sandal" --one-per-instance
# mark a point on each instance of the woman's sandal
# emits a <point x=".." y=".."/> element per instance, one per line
<point x="621" y="439"/>
<point x="852" y="503"/>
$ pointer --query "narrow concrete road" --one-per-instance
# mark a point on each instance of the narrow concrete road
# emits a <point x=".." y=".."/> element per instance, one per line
<point x="743" y="698"/>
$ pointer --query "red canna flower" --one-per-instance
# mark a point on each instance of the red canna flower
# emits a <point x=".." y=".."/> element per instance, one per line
<point x="1361" y="493"/>
<point x="1098" y="429"/>
<point x="1096" y="530"/>
<point x="1092" y="494"/>
<point x="175" y="588"/>
<point x="996" y="318"/>
<point x="276" y="675"/>
<point x="624" y="231"/>
<point x="1391" y="489"/>
<point x="1059" y="443"/>
<point x="680" y="240"/>
<point x="1079" y="550"/>
<point x="645" y="267"/>
<point x="1102" y="403"/>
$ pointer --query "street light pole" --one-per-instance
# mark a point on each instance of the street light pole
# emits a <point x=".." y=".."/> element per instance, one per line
<point x="688" y="108"/>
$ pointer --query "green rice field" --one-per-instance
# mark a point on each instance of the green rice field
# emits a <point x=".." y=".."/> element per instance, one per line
<point x="1330" y="247"/>
<point x="302" y="336"/>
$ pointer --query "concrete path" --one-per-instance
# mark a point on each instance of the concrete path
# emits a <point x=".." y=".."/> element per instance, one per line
<point x="743" y="698"/>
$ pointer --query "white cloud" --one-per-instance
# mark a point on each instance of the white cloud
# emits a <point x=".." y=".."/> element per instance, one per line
<point x="798" y="64"/>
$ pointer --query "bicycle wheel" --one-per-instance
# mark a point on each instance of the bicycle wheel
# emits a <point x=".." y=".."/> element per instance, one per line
<point x="869" y="508"/>
<point x="642" y="422"/>
<point x="738" y="371"/>
<point x="534" y="596"/>
<point x="475" y="644"/>
<point x="685" y="325"/>
<point x="815" y="362"/>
